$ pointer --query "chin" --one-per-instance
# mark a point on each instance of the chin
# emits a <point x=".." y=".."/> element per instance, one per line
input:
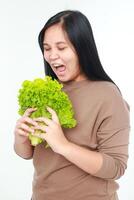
<point x="64" y="79"/>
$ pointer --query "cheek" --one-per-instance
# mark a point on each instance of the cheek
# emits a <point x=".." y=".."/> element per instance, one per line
<point x="69" y="58"/>
<point x="46" y="56"/>
<point x="73" y="62"/>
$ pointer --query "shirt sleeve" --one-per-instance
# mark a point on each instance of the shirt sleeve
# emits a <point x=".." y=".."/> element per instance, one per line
<point x="113" y="136"/>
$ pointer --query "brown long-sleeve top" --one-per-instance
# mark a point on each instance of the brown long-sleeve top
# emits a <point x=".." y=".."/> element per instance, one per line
<point x="102" y="125"/>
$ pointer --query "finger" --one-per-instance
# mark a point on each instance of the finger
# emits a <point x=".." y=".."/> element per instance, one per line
<point x="47" y="121"/>
<point x="28" y="120"/>
<point x="28" y="112"/>
<point x="22" y="133"/>
<point x="42" y="128"/>
<point x="54" y="115"/>
<point x="26" y="128"/>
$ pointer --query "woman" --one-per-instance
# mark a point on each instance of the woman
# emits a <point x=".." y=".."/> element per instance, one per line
<point x="82" y="163"/>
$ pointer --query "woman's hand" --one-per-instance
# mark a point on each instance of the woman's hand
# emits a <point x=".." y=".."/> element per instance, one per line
<point x="22" y="128"/>
<point x="53" y="133"/>
<point x="22" y="145"/>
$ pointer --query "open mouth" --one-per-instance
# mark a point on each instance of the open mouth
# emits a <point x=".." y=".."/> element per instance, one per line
<point x="59" y="68"/>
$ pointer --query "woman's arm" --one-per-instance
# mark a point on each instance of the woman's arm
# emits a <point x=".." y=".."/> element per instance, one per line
<point x="22" y="144"/>
<point x="110" y="159"/>
<point x="23" y="149"/>
<point x="87" y="160"/>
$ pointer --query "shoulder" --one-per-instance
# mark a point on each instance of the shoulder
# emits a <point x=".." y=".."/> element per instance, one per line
<point x="105" y="90"/>
<point x="109" y="95"/>
<point x="106" y="87"/>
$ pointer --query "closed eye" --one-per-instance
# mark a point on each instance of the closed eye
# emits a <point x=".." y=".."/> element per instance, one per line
<point x="47" y="49"/>
<point x="61" y="48"/>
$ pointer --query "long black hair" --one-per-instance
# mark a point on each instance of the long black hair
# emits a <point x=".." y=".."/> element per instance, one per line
<point x="80" y="34"/>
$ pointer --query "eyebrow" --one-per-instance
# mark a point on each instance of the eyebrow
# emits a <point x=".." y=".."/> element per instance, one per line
<point x="44" y="43"/>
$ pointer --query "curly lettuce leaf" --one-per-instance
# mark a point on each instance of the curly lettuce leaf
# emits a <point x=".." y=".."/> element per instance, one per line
<point x="41" y="93"/>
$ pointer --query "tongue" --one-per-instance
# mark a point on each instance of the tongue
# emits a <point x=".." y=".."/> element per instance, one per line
<point x="61" y="68"/>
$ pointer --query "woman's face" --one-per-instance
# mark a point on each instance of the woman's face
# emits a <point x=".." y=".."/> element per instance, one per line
<point x="61" y="55"/>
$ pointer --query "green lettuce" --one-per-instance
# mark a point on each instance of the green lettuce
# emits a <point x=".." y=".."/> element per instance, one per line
<point x="41" y="93"/>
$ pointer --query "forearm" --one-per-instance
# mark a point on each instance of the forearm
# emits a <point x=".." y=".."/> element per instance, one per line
<point x="87" y="160"/>
<point x="23" y="149"/>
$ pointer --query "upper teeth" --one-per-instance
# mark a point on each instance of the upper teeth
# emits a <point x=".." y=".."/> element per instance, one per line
<point x="56" y="65"/>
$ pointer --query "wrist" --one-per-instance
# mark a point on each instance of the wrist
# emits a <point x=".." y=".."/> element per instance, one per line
<point x="65" y="148"/>
<point x="21" y="140"/>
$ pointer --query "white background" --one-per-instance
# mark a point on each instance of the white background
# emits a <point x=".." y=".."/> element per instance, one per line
<point x="20" y="58"/>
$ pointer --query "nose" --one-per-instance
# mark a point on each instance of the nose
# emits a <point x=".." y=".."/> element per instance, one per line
<point x="53" y="55"/>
